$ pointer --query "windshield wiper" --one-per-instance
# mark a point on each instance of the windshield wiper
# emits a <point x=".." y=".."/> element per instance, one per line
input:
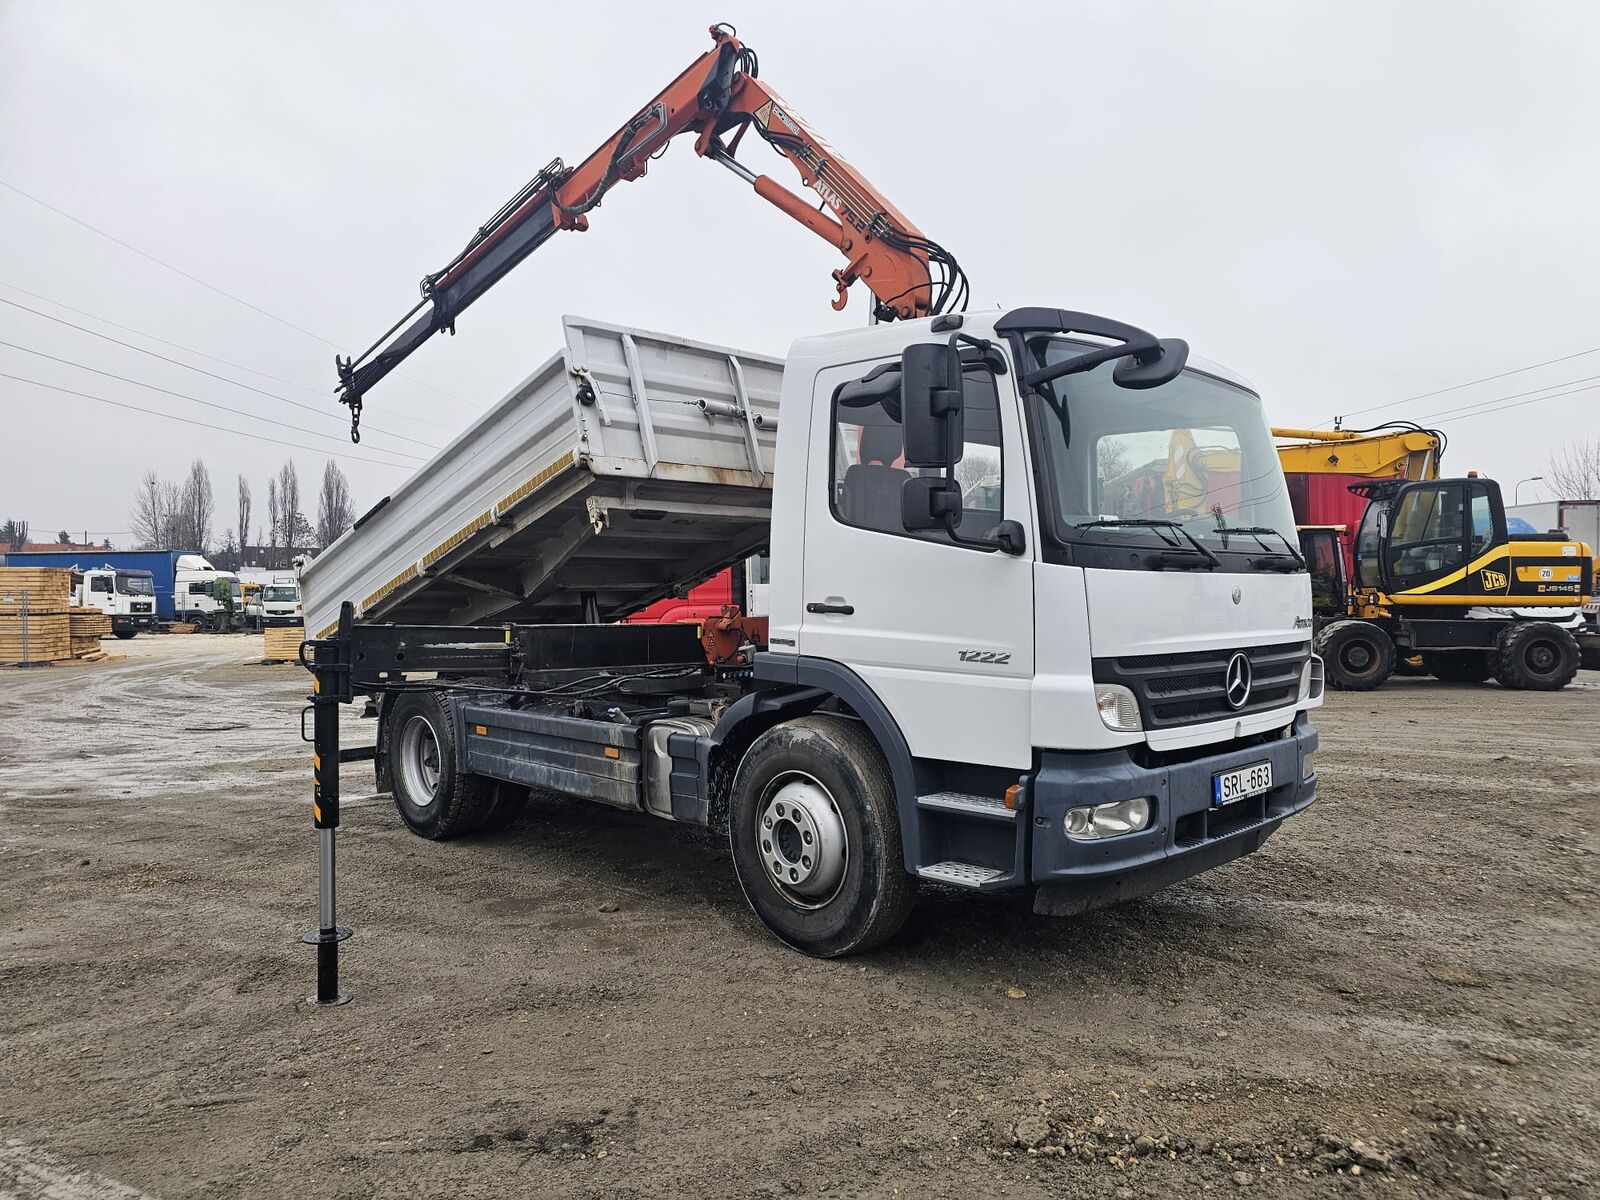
<point x="1256" y="531"/>
<point x="1211" y="561"/>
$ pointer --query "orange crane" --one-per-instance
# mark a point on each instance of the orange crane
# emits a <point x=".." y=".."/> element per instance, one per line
<point x="718" y="98"/>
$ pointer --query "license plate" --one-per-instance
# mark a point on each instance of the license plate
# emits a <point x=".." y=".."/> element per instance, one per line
<point x="1236" y="785"/>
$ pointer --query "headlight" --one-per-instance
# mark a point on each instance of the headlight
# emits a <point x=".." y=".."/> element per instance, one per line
<point x="1089" y="822"/>
<point x="1118" y="708"/>
<point x="1311" y="679"/>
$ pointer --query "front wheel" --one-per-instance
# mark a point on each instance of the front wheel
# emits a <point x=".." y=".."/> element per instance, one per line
<point x="1357" y="655"/>
<point x="1536" y="656"/>
<point x="123" y="634"/>
<point x="815" y="836"/>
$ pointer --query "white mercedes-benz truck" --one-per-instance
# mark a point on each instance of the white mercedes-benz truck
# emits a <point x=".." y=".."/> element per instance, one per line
<point x="996" y="656"/>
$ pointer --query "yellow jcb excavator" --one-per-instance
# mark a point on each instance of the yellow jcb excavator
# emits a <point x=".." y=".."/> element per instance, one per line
<point x="1433" y="572"/>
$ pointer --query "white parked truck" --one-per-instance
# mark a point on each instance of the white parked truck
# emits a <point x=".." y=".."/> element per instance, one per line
<point x="280" y="601"/>
<point x="1041" y="682"/>
<point x="126" y="595"/>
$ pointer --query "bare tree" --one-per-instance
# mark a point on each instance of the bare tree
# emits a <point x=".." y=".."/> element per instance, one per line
<point x="334" y="509"/>
<point x="154" y="516"/>
<point x="196" y="508"/>
<point x="244" y="517"/>
<point x="1574" y="470"/>
<point x="1111" y="458"/>
<point x="289" y="504"/>
<point x="14" y="533"/>
<point x="274" y="522"/>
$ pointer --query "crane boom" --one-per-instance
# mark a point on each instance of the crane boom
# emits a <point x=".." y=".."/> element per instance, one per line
<point x="717" y="95"/>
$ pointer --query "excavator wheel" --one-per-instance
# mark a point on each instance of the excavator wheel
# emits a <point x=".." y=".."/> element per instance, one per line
<point x="1357" y="655"/>
<point x="1457" y="666"/>
<point x="1535" y="656"/>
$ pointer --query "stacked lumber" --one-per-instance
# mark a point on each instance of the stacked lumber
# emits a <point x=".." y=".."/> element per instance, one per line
<point x="283" y="642"/>
<point x="86" y="627"/>
<point x="44" y="634"/>
<point x="89" y="623"/>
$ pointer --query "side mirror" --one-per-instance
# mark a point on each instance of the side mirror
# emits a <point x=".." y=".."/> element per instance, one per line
<point x="931" y="403"/>
<point x="929" y="502"/>
<point x="1147" y="370"/>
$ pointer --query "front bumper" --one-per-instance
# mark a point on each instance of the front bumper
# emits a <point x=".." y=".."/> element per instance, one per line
<point x="1187" y="834"/>
<point x="134" y="621"/>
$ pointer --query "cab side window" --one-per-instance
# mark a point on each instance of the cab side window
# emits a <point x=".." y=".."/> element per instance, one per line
<point x="869" y="471"/>
<point x="1483" y="532"/>
<point x="100" y="583"/>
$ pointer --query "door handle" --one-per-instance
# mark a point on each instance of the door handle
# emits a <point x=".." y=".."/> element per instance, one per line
<point x="843" y="610"/>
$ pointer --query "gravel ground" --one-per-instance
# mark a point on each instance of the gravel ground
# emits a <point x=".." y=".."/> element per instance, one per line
<point x="1396" y="997"/>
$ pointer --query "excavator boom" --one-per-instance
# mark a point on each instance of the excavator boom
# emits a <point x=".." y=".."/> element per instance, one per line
<point x="1395" y="451"/>
<point x="718" y="98"/>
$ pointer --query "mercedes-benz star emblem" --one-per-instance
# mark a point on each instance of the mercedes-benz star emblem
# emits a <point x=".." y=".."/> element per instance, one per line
<point x="1237" y="595"/>
<point x="1236" y="681"/>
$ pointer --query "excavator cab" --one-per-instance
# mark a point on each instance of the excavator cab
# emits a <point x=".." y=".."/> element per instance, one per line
<point x="1426" y="535"/>
<point x="1320" y="547"/>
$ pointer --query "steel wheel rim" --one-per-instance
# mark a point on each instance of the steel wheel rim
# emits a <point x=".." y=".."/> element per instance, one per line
<point x="419" y="760"/>
<point x="1541" y="657"/>
<point x="1359" y="657"/>
<point x="801" y="840"/>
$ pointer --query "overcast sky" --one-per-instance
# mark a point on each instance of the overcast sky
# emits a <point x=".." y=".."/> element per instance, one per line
<point x="1351" y="204"/>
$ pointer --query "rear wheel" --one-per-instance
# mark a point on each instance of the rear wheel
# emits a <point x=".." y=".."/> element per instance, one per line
<point x="1457" y="666"/>
<point x="1357" y="655"/>
<point x="1535" y="656"/>
<point x="815" y="836"/>
<point x="433" y="796"/>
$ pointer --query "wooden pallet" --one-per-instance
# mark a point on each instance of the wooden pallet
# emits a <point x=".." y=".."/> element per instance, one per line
<point x="48" y="638"/>
<point x="182" y="627"/>
<point x="49" y="589"/>
<point x="283" y="642"/>
<point x="89" y="623"/>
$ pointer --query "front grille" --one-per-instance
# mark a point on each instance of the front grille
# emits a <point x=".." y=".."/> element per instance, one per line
<point x="1185" y="689"/>
<point x="140" y="606"/>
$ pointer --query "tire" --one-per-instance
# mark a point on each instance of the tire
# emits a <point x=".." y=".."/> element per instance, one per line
<point x="433" y="796"/>
<point x="1457" y="666"/>
<point x="1536" y="656"/>
<point x="1357" y="655"/>
<point x="827" y="777"/>
<point x="123" y="634"/>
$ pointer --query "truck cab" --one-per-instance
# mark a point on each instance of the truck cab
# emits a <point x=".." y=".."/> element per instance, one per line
<point x="280" y="601"/>
<point x="194" y="590"/>
<point x="126" y="595"/>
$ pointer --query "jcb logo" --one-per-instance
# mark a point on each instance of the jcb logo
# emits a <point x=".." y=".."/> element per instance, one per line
<point x="1494" y="581"/>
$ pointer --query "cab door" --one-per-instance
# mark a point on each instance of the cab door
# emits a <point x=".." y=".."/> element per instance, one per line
<point x="1427" y="536"/>
<point x="942" y="633"/>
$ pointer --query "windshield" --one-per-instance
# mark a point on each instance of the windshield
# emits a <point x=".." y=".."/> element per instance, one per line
<point x="280" y="595"/>
<point x="136" y="585"/>
<point x="1195" y="451"/>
